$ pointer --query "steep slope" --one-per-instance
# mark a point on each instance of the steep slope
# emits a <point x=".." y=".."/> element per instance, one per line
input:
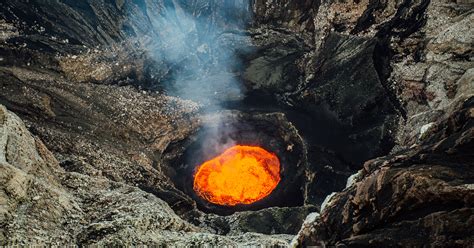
<point x="374" y="87"/>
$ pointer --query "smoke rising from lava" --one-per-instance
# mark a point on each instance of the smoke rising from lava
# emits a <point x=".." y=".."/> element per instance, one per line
<point x="196" y="56"/>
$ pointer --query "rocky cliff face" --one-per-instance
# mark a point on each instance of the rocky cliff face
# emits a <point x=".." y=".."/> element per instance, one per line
<point x="379" y="89"/>
<point x="425" y="190"/>
<point x="44" y="204"/>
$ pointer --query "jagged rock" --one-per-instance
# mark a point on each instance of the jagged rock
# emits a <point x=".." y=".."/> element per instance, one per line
<point x="422" y="195"/>
<point x="288" y="14"/>
<point x="354" y="78"/>
<point x="43" y="204"/>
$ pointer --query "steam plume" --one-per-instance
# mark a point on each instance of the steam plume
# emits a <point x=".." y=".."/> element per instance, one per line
<point x="194" y="45"/>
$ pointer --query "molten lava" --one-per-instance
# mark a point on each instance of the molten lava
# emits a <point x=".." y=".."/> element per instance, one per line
<point x="240" y="175"/>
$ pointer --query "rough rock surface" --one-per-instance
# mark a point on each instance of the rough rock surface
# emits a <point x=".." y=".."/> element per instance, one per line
<point x="43" y="204"/>
<point x="357" y="79"/>
<point x="422" y="195"/>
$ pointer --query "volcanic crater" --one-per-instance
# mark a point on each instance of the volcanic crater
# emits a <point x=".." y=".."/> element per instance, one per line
<point x="110" y="108"/>
<point x="272" y="132"/>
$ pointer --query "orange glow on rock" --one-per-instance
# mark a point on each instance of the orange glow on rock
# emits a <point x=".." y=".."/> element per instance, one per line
<point x="240" y="175"/>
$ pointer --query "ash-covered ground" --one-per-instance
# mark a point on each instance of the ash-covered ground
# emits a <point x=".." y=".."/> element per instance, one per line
<point x="104" y="106"/>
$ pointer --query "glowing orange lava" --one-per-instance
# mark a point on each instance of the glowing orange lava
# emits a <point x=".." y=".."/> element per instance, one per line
<point x="240" y="175"/>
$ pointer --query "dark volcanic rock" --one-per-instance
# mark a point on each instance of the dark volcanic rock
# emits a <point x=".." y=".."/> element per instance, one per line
<point x="346" y="88"/>
<point x="271" y="65"/>
<point x="334" y="83"/>
<point x="419" y="196"/>
<point x="295" y="15"/>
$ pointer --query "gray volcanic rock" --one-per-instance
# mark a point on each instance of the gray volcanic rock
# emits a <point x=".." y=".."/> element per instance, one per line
<point x="27" y="176"/>
<point x="99" y="130"/>
<point x="352" y="80"/>
<point x="42" y="204"/>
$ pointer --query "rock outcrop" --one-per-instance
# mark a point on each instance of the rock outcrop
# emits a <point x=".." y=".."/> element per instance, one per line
<point x="379" y="88"/>
<point x="422" y="195"/>
<point x="43" y="204"/>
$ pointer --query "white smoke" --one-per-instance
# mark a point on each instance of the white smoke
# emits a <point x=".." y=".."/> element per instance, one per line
<point x="195" y="45"/>
<point x="196" y="41"/>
